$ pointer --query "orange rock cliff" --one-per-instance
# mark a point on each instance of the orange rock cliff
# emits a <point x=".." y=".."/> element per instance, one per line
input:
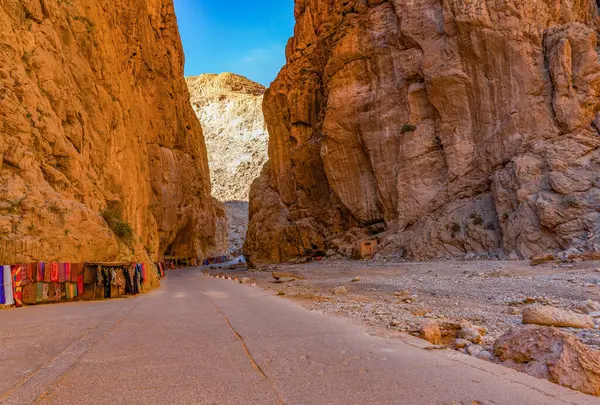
<point x="101" y="155"/>
<point x="445" y="129"/>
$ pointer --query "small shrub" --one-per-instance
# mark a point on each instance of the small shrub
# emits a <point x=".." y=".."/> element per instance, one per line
<point x="31" y="227"/>
<point x="29" y="116"/>
<point x="67" y="232"/>
<point x="490" y="226"/>
<point x="408" y="128"/>
<point x="505" y="216"/>
<point x="120" y="228"/>
<point x="569" y="201"/>
<point x="454" y="228"/>
<point x="54" y="208"/>
<point x="477" y="220"/>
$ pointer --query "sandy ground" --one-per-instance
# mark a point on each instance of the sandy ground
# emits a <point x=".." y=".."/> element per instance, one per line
<point x="401" y="296"/>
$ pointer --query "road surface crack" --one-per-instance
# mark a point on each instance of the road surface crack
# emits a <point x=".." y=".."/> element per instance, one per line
<point x="253" y="362"/>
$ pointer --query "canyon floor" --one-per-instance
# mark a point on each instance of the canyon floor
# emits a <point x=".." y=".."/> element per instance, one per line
<point x="400" y="296"/>
<point x="202" y="340"/>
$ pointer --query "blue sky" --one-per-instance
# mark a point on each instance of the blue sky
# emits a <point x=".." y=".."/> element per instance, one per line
<point x="246" y="37"/>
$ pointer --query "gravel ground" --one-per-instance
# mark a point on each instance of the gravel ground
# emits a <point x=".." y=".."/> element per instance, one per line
<point x="402" y="295"/>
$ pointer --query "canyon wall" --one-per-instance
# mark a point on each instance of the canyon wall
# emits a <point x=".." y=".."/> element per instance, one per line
<point x="229" y="108"/>
<point x="444" y="128"/>
<point x="101" y="155"/>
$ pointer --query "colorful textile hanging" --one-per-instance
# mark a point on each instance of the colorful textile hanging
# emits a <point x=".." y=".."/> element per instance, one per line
<point x="71" y="290"/>
<point x="29" y="274"/>
<point x="2" y="295"/>
<point x="143" y="279"/>
<point x="39" y="292"/>
<point x="76" y="270"/>
<point x="61" y="273"/>
<point x="8" y="286"/>
<point x="67" y="272"/>
<point x="53" y="272"/>
<point x="29" y="293"/>
<point x="41" y="267"/>
<point x="45" y="291"/>
<point x="47" y="273"/>
<point x="80" y="287"/>
<point x="54" y="292"/>
<point x="17" y="275"/>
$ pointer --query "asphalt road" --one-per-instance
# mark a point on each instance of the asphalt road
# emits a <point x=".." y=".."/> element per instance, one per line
<point x="199" y="340"/>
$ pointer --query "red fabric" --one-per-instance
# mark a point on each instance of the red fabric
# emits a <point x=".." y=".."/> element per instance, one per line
<point x="61" y="272"/>
<point x="80" y="285"/>
<point x="76" y="271"/>
<point x="54" y="272"/>
<point x="28" y="273"/>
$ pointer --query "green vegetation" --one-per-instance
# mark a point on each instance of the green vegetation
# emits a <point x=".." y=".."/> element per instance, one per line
<point x="120" y="228"/>
<point x="455" y="228"/>
<point x="54" y="208"/>
<point x="490" y="226"/>
<point x="408" y="128"/>
<point x="477" y="220"/>
<point x="569" y="201"/>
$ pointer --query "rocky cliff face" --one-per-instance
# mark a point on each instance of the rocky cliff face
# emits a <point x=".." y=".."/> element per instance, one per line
<point x="229" y="108"/>
<point x="101" y="154"/>
<point x="444" y="128"/>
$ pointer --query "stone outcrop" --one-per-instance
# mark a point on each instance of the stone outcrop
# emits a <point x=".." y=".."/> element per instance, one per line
<point x="550" y="353"/>
<point x="445" y="129"/>
<point x="551" y="316"/>
<point x="101" y="155"/>
<point x="229" y="108"/>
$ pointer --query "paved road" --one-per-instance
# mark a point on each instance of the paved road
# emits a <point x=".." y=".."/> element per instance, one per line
<point x="199" y="340"/>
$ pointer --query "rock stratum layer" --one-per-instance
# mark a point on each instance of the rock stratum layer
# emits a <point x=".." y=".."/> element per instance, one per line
<point x="229" y="108"/>
<point x="95" y="118"/>
<point x="444" y="128"/>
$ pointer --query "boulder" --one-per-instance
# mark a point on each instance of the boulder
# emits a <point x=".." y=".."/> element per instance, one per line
<point x="431" y="332"/>
<point x="541" y="259"/>
<point x="550" y="353"/>
<point x="485" y="355"/>
<point x="588" y="306"/>
<point x="461" y="343"/>
<point x="551" y="316"/>
<point x="471" y="333"/>
<point x="474" y="350"/>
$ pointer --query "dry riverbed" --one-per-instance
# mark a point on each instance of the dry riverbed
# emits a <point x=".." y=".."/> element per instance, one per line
<point x="403" y="295"/>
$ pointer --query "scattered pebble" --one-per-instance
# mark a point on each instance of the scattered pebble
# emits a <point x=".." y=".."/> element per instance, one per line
<point x="485" y="355"/>
<point x="341" y="290"/>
